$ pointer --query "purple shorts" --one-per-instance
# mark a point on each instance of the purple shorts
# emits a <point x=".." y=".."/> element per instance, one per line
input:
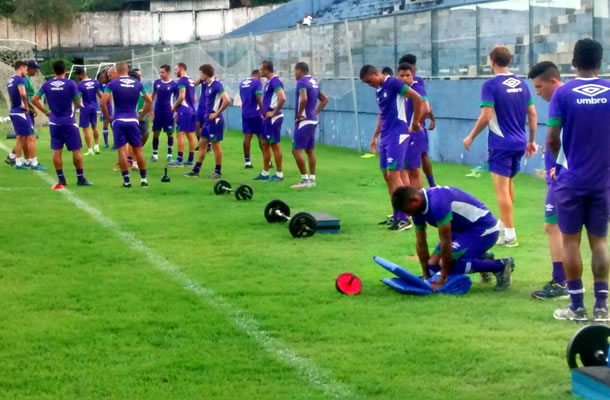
<point x="578" y="207"/>
<point x="471" y="244"/>
<point x="126" y="132"/>
<point x="65" y="134"/>
<point x="550" y="205"/>
<point x="213" y="131"/>
<point x="163" y="122"/>
<point x="22" y="124"/>
<point x="505" y="162"/>
<point x="187" y="122"/>
<point x="305" y="135"/>
<point x="201" y="119"/>
<point x="252" y="126"/>
<point x="87" y="118"/>
<point x="102" y="118"/>
<point x="272" y="129"/>
<point x="417" y="144"/>
<point x="392" y="152"/>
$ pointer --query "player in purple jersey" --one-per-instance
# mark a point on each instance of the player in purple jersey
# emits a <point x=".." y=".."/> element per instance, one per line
<point x="274" y="98"/>
<point x="185" y="108"/>
<point x="103" y="79"/>
<point x="579" y="117"/>
<point x="546" y="79"/>
<point x="310" y="101"/>
<point x="163" y="119"/>
<point x="506" y="101"/>
<point x="394" y="130"/>
<point x="125" y="92"/>
<point x="251" y="95"/>
<point x="466" y="229"/>
<point x="216" y="101"/>
<point x="91" y="92"/>
<point x="62" y="96"/>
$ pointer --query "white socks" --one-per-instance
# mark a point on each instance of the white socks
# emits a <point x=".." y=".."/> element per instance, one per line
<point x="280" y="174"/>
<point x="312" y="178"/>
<point x="510" y="234"/>
<point x="265" y="173"/>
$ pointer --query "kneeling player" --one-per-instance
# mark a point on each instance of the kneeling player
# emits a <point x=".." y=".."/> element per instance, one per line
<point x="466" y="229"/>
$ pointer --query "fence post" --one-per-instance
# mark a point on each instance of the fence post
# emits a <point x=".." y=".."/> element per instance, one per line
<point x="152" y="64"/>
<point x="354" y="97"/>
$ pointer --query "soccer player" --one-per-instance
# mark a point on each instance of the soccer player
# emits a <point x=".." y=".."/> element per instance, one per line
<point x="103" y="78"/>
<point x="308" y="95"/>
<point x="125" y="92"/>
<point x="143" y="122"/>
<point x="274" y="98"/>
<point x="546" y="79"/>
<point x="200" y="113"/>
<point x="394" y="130"/>
<point x="216" y="101"/>
<point x="419" y="82"/>
<point x="251" y="94"/>
<point x="466" y="230"/>
<point x="90" y="92"/>
<point x="505" y="102"/>
<point x="387" y="71"/>
<point x="185" y="107"/>
<point x="163" y="119"/>
<point x="62" y="96"/>
<point x="579" y="117"/>
<point x="417" y="144"/>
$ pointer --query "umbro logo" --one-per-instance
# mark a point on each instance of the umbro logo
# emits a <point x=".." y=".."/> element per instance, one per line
<point x="128" y="81"/>
<point x="57" y="84"/>
<point x="10" y="81"/>
<point x="512" y="83"/>
<point x="549" y="207"/>
<point x="591" y="90"/>
<point x="90" y="85"/>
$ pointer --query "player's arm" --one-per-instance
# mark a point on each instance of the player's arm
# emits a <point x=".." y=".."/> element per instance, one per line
<point x="180" y="99"/>
<point x="147" y="109"/>
<point x="104" y="105"/>
<point x="259" y="100"/>
<point x="76" y="100"/>
<point x="444" y="235"/>
<point x="532" y="122"/>
<point x="418" y="107"/>
<point x="482" y="122"/>
<point x="36" y="100"/>
<point x="24" y="98"/>
<point x="225" y="100"/>
<point x="431" y="118"/>
<point x="421" y="246"/>
<point x="281" y="99"/>
<point x="302" y="104"/>
<point x="376" y="135"/>
<point x="553" y="138"/>
<point x="554" y="123"/>
<point x="322" y="102"/>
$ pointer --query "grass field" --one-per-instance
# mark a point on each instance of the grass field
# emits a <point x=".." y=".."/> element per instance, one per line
<point x="173" y="292"/>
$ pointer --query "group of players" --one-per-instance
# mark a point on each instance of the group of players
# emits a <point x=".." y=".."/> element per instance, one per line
<point x="577" y="163"/>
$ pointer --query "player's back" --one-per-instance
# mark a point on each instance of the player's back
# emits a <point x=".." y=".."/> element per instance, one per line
<point x="163" y="95"/>
<point x="392" y="107"/>
<point x="13" y="91"/>
<point x="248" y="90"/>
<point x="270" y="99"/>
<point x="89" y="89"/>
<point x="311" y="86"/>
<point x="186" y="83"/>
<point x="60" y="94"/>
<point x="125" y="95"/>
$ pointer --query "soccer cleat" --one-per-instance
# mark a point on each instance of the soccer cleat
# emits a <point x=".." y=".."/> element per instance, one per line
<point x="486" y="277"/>
<point x="89" y="153"/>
<point x="96" y="149"/>
<point x="189" y="163"/>
<point x="600" y="315"/>
<point x="175" y="164"/>
<point x="113" y="148"/>
<point x="248" y="166"/>
<point x="388" y="221"/>
<point x="169" y="158"/>
<point x="400" y="226"/>
<point x="83" y="182"/>
<point x="154" y="158"/>
<point x="9" y="161"/>
<point x="275" y="179"/>
<point x="214" y="175"/>
<point x="192" y="174"/>
<point x="22" y="166"/>
<point x="106" y="147"/>
<point x="312" y="183"/>
<point x="551" y="291"/>
<point x="504" y="279"/>
<point x="39" y="167"/>
<point x="510" y="243"/>
<point x="127" y="185"/>
<point x="567" y="314"/>
<point x="262" y="177"/>
<point x="144" y="184"/>
<point x="305" y="183"/>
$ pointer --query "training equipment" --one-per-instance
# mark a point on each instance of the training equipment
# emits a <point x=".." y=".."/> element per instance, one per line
<point x="302" y="224"/>
<point x="348" y="283"/>
<point x="243" y="192"/>
<point x="592" y="380"/>
<point x="165" y="178"/>
<point x="406" y="282"/>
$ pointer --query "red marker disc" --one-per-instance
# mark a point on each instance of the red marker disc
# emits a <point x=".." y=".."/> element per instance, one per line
<point x="348" y="283"/>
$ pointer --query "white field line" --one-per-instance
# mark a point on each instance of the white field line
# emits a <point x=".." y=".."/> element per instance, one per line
<point x="305" y="368"/>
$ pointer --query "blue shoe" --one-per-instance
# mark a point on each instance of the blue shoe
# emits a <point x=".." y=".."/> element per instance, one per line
<point x="22" y="166"/>
<point x="189" y="163"/>
<point x="83" y="182"/>
<point x="262" y="177"/>
<point x="175" y="164"/>
<point x="39" y="167"/>
<point x="275" y="178"/>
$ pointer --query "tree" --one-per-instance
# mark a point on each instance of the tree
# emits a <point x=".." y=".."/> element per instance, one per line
<point x="7" y="8"/>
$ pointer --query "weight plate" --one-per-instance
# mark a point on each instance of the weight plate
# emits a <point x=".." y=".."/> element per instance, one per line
<point x="349" y="284"/>
<point x="222" y="187"/>
<point x="244" y="192"/>
<point x="591" y="344"/>
<point x="302" y="225"/>
<point x="278" y="205"/>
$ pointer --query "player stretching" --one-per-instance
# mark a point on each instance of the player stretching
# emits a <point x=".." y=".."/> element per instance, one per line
<point x="251" y="94"/>
<point x="393" y="127"/>
<point x="546" y="79"/>
<point x="466" y="229"/>
<point x="90" y="91"/>
<point x="212" y="131"/>
<point x="185" y="107"/>
<point x="274" y="98"/>
<point x="581" y="108"/>
<point x="62" y="96"/>
<point x="306" y="119"/>
<point x="163" y="119"/>
<point x="125" y="92"/>
<point x="505" y="102"/>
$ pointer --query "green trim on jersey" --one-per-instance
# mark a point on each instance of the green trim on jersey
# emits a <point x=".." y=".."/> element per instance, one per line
<point x="489" y="104"/>
<point x="420" y="227"/>
<point x="221" y="91"/>
<point x="180" y="87"/>
<point x="303" y="88"/>
<point x="551" y="219"/>
<point x="259" y="92"/>
<point x="76" y="96"/>
<point x="446" y="219"/>
<point x="530" y="102"/>
<point x="278" y="89"/>
<point x="40" y="94"/>
<point x="140" y="105"/>
<point x="455" y="255"/>
<point x="404" y="89"/>
<point x="553" y="122"/>
<point x="425" y="98"/>
<point x="107" y="90"/>
<point x="143" y="91"/>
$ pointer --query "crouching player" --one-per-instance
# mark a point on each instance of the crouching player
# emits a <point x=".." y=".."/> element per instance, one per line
<point x="466" y="229"/>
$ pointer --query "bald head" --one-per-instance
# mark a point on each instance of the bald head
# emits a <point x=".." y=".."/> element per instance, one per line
<point x="122" y="68"/>
<point x="112" y="73"/>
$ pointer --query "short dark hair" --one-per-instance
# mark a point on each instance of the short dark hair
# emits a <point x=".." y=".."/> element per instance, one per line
<point x="409" y="59"/>
<point x="59" y="67"/>
<point x="303" y="67"/>
<point x="166" y="67"/>
<point x="268" y="65"/>
<point x="401" y="197"/>
<point x="255" y="72"/>
<point x="207" y="69"/>
<point x="544" y="70"/>
<point x="501" y="56"/>
<point x="79" y="71"/>
<point x="387" y="71"/>
<point x="19" y="64"/>
<point x="134" y="73"/>
<point x="405" y="67"/>
<point x="182" y="65"/>
<point x="588" y="54"/>
<point x="367" y="70"/>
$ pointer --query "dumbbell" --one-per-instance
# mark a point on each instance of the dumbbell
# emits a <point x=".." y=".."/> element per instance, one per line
<point x="300" y="225"/>
<point x="243" y="192"/>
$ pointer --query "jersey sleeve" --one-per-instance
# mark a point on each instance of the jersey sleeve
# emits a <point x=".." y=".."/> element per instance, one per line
<point x="108" y="88"/>
<point x="420" y="222"/>
<point x="301" y="85"/>
<point x="42" y="91"/>
<point x="220" y="89"/>
<point x="555" y="110"/>
<point x="440" y="209"/>
<point x="421" y="90"/>
<point x="487" y="96"/>
<point x="76" y="94"/>
<point x="180" y="85"/>
<point x="20" y="82"/>
<point x="398" y="87"/>
<point x="154" y="87"/>
<point x="530" y="99"/>
<point x="142" y="89"/>
<point x="277" y="85"/>
<point x="259" y="88"/>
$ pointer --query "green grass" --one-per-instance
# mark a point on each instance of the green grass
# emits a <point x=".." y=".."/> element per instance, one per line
<point x="83" y="315"/>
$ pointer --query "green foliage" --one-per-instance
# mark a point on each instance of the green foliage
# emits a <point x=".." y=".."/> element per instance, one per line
<point x="101" y="5"/>
<point x="7" y="7"/>
<point x="46" y="68"/>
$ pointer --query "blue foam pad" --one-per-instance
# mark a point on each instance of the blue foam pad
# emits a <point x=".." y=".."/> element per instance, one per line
<point x="409" y="278"/>
<point x="400" y="285"/>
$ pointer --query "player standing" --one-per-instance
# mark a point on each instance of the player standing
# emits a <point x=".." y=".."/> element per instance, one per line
<point x="90" y="91"/>
<point x="308" y="95"/>
<point x="125" y="92"/>
<point x="185" y="107"/>
<point x="103" y="78"/>
<point x="163" y="119"/>
<point x="251" y="94"/>
<point x="506" y="101"/>
<point x="62" y="96"/>
<point x="579" y="117"/>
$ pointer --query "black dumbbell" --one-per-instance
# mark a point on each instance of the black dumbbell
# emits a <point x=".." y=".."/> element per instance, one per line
<point x="300" y="225"/>
<point x="243" y="192"/>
